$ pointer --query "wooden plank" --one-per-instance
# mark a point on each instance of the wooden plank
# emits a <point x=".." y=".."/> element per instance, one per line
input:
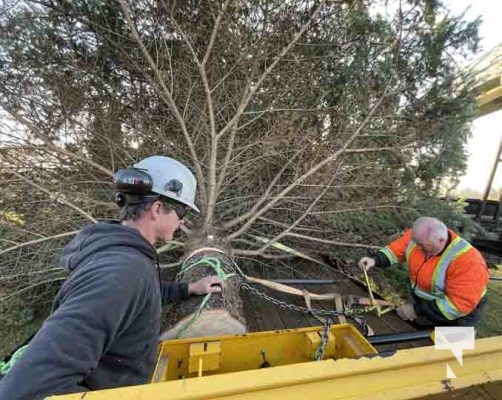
<point x="291" y="319"/>
<point x="267" y="318"/>
<point x="271" y="317"/>
<point x="268" y="315"/>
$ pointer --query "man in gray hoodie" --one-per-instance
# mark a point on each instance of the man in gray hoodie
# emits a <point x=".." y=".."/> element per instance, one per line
<point x="104" y="328"/>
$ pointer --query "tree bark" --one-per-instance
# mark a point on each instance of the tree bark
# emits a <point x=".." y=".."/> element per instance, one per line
<point x="222" y="314"/>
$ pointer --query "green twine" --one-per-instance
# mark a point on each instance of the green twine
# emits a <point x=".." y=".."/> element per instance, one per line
<point x="215" y="264"/>
<point x="6" y="366"/>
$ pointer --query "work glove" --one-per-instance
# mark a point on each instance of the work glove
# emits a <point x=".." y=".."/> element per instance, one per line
<point x="406" y="312"/>
<point x="366" y="263"/>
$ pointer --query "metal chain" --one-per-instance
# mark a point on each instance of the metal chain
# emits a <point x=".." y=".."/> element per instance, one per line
<point x="326" y="314"/>
<point x="319" y="354"/>
<point x="289" y="306"/>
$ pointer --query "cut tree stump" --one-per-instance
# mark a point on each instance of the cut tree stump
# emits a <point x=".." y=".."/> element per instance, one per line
<point x="223" y="314"/>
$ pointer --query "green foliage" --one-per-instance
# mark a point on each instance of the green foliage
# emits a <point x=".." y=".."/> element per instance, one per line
<point x="378" y="225"/>
<point x="16" y="313"/>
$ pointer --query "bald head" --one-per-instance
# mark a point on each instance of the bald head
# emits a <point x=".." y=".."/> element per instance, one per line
<point x="430" y="234"/>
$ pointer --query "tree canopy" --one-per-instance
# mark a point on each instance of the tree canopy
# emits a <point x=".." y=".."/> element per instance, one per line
<point x="321" y="125"/>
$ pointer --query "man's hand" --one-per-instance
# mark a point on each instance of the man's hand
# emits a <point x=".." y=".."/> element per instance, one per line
<point x="406" y="312"/>
<point x="366" y="263"/>
<point x="205" y="285"/>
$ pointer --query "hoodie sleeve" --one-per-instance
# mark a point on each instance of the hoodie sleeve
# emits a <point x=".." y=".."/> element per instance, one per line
<point x="94" y="309"/>
<point x="172" y="292"/>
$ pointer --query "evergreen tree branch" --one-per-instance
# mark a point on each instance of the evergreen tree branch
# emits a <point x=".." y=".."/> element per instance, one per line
<point x="211" y="184"/>
<point x="60" y="150"/>
<point x="312" y="170"/>
<point x="278" y="237"/>
<point x="51" y="194"/>
<point x="252" y="89"/>
<point x="168" y="95"/>
<point x="40" y="240"/>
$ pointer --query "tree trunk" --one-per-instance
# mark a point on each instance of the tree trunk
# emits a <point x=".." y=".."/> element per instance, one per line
<point x="221" y="314"/>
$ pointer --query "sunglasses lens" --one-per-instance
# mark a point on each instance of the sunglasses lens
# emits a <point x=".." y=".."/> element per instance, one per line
<point x="181" y="211"/>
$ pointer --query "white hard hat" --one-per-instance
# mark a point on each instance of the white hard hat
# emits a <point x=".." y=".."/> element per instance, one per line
<point x="170" y="179"/>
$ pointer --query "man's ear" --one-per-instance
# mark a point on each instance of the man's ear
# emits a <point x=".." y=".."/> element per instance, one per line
<point x="155" y="209"/>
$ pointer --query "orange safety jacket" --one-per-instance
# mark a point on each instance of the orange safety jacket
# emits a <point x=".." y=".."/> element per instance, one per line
<point x="456" y="279"/>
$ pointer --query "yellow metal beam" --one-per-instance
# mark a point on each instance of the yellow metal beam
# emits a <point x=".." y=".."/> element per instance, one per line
<point x="490" y="108"/>
<point x="224" y="354"/>
<point x="490" y="97"/>
<point x="409" y="374"/>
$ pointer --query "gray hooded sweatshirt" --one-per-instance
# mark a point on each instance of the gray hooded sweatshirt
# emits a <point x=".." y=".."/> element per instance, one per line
<point x="105" y="325"/>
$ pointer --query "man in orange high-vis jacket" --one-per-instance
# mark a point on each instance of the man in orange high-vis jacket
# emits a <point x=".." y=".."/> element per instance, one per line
<point x="448" y="276"/>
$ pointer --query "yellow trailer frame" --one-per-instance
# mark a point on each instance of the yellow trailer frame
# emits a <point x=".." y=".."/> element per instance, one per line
<point x="234" y="367"/>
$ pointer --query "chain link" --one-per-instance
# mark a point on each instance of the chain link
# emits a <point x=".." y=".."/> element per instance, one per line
<point x="319" y="354"/>
<point x="327" y="315"/>
<point x="289" y="306"/>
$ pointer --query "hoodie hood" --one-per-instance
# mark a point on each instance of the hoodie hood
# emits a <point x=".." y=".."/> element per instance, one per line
<point x="100" y="236"/>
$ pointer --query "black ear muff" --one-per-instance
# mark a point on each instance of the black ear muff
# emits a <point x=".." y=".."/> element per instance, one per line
<point x="132" y="181"/>
<point x="120" y="199"/>
<point x="124" y="199"/>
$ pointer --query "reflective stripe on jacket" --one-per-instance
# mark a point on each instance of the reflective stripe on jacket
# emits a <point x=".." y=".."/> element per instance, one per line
<point x="456" y="279"/>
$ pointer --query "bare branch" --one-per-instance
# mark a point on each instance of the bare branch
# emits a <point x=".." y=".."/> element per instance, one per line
<point x="264" y="197"/>
<point x="283" y="225"/>
<point x="254" y="253"/>
<point x="16" y="228"/>
<point x="332" y="242"/>
<point x="314" y="169"/>
<point x="226" y="162"/>
<point x="60" y="150"/>
<point x="51" y="195"/>
<point x="171" y="265"/>
<point x="215" y="31"/>
<point x="17" y="293"/>
<point x="32" y="273"/>
<point x="347" y="210"/>
<point x="40" y="240"/>
<point x="371" y="149"/>
<point x="298" y="220"/>
<point x="213" y="148"/>
<point x="168" y="95"/>
<point x="278" y="110"/>
<point x="211" y="184"/>
<point x="253" y="88"/>
<point x="230" y="71"/>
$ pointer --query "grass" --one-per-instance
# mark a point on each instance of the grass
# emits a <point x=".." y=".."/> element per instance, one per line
<point x="491" y="323"/>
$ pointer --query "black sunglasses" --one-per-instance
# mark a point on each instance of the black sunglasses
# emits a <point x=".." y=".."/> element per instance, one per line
<point x="181" y="210"/>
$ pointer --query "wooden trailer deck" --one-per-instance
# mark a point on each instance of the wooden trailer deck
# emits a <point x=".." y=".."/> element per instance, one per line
<point x="263" y="315"/>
